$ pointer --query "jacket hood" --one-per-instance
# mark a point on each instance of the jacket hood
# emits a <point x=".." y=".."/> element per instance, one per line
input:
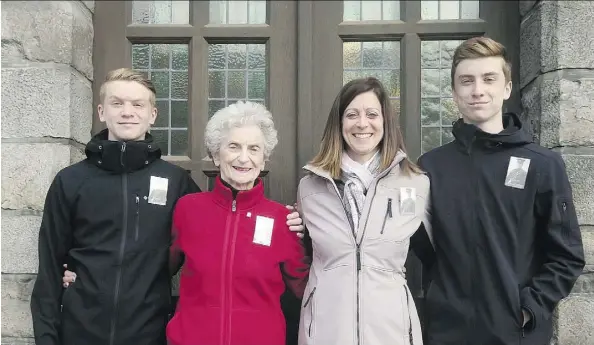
<point x="512" y="134"/>
<point x="121" y="156"/>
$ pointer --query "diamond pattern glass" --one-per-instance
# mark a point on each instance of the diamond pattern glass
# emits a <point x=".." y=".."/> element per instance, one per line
<point x="237" y="12"/>
<point x="160" y="12"/>
<point x="355" y="11"/>
<point x="449" y="9"/>
<point x="167" y="67"/>
<point x="380" y="59"/>
<point x="236" y="72"/>
<point x="438" y="110"/>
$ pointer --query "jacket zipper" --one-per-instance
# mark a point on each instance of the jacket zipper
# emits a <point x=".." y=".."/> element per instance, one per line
<point x="136" y="223"/>
<point x="388" y="214"/>
<point x="122" y="248"/>
<point x="310" y="310"/>
<point x="474" y="243"/>
<point x="231" y="262"/>
<point x="224" y="291"/>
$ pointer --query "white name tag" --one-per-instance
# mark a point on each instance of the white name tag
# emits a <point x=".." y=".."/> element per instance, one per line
<point x="263" y="230"/>
<point x="158" y="191"/>
<point x="408" y="201"/>
<point x="517" y="171"/>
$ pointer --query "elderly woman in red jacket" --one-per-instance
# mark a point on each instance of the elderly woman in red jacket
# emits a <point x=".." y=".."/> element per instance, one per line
<point x="239" y="252"/>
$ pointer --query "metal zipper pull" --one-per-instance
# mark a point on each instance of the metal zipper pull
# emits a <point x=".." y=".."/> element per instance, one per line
<point x="390" y="207"/>
<point x="234" y="206"/>
<point x="122" y="153"/>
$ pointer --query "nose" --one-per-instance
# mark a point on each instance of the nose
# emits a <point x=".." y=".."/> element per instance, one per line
<point x="363" y="121"/>
<point x="127" y="109"/>
<point x="478" y="90"/>
<point x="243" y="156"/>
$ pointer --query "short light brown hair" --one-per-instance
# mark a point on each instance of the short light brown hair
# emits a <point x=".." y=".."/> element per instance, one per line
<point x="128" y="74"/>
<point x="481" y="47"/>
<point x="329" y="158"/>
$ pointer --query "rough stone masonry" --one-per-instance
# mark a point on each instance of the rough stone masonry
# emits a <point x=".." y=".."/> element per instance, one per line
<point x="47" y="114"/>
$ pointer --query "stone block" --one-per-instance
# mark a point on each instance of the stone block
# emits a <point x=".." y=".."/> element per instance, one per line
<point x="579" y="171"/>
<point x="47" y="100"/>
<point x="588" y="241"/>
<point x="558" y="108"/>
<point x="90" y="5"/>
<point x="573" y="321"/>
<point x="77" y="154"/>
<point x="16" y="310"/>
<point x="27" y="172"/>
<point x="17" y="341"/>
<point x="556" y="35"/>
<point x="50" y="31"/>
<point x="19" y="243"/>
<point x="81" y="108"/>
<point x="526" y="5"/>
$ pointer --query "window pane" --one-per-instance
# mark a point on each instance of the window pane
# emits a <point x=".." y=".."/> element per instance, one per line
<point x="380" y="59"/>
<point x="167" y="67"/>
<point x="236" y="72"/>
<point x="237" y="12"/>
<point x="449" y="9"/>
<point x="371" y="10"/>
<point x="438" y="109"/>
<point x="160" y="12"/>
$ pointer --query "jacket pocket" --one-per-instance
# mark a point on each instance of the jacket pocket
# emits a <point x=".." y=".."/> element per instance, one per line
<point x="309" y="303"/>
<point x="565" y="207"/>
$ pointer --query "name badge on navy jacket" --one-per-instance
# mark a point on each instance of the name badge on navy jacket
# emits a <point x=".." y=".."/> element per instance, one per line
<point x="263" y="230"/>
<point x="158" y="191"/>
<point x="517" y="171"/>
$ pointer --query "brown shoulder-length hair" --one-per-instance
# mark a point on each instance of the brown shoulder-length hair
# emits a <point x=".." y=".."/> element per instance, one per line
<point x="333" y="144"/>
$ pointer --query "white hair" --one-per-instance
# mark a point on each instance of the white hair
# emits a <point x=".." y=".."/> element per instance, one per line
<point x="240" y="114"/>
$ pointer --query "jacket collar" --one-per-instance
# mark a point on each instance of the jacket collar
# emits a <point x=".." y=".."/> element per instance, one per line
<point x="121" y="156"/>
<point x="512" y="134"/>
<point x="400" y="156"/>
<point x="244" y="199"/>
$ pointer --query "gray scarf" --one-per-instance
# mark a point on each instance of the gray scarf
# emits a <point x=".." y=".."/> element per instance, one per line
<point x="357" y="177"/>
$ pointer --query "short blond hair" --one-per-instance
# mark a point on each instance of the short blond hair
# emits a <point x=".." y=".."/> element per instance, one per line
<point x="481" y="47"/>
<point x="128" y="74"/>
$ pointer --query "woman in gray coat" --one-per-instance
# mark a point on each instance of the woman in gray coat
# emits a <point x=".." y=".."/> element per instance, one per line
<point x="361" y="200"/>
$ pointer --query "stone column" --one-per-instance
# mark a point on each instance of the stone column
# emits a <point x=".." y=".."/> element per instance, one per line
<point x="46" y="120"/>
<point x="557" y="81"/>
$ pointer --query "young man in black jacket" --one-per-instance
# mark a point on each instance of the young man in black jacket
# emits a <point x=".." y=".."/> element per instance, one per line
<point x="108" y="218"/>
<point x="507" y="243"/>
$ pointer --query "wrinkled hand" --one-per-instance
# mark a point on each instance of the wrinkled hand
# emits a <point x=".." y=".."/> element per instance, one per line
<point x="69" y="277"/>
<point x="294" y="221"/>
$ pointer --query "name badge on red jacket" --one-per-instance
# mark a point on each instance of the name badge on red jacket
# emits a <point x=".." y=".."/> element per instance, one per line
<point x="263" y="230"/>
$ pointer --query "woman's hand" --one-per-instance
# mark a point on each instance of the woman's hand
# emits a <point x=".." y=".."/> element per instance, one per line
<point x="69" y="277"/>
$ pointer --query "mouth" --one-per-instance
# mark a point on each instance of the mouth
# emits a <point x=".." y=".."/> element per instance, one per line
<point x="242" y="170"/>
<point x="362" y="135"/>
<point x="474" y="104"/>
<point x="127" y="123"/>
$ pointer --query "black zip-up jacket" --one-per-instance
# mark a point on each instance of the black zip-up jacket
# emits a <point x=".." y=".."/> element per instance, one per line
<point x="502" y="242"/>
<point x="98" y="219"/>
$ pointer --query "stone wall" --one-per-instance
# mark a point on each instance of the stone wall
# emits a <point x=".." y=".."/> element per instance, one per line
<point x="46" y="118"/>
<point x="557" y="81"/>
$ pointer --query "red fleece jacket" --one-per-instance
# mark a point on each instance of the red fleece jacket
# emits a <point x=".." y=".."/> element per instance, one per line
<point x="232" y="279"/>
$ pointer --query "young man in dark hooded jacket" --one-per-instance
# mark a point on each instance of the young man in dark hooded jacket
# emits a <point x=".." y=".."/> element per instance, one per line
<point x="507" y="243"/>
<point x="109" y="218"/>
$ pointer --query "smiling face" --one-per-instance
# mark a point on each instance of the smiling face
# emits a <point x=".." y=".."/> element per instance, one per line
<point x="363" y="126"/>
<point x="480" y="87"/>
<point x="127" y="110"/>
<point x="241" y="156"/>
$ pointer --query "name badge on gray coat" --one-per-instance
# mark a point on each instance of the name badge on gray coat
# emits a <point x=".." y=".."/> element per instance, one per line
<point x="517" y="171"/>
<point x="408" y="198"/>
